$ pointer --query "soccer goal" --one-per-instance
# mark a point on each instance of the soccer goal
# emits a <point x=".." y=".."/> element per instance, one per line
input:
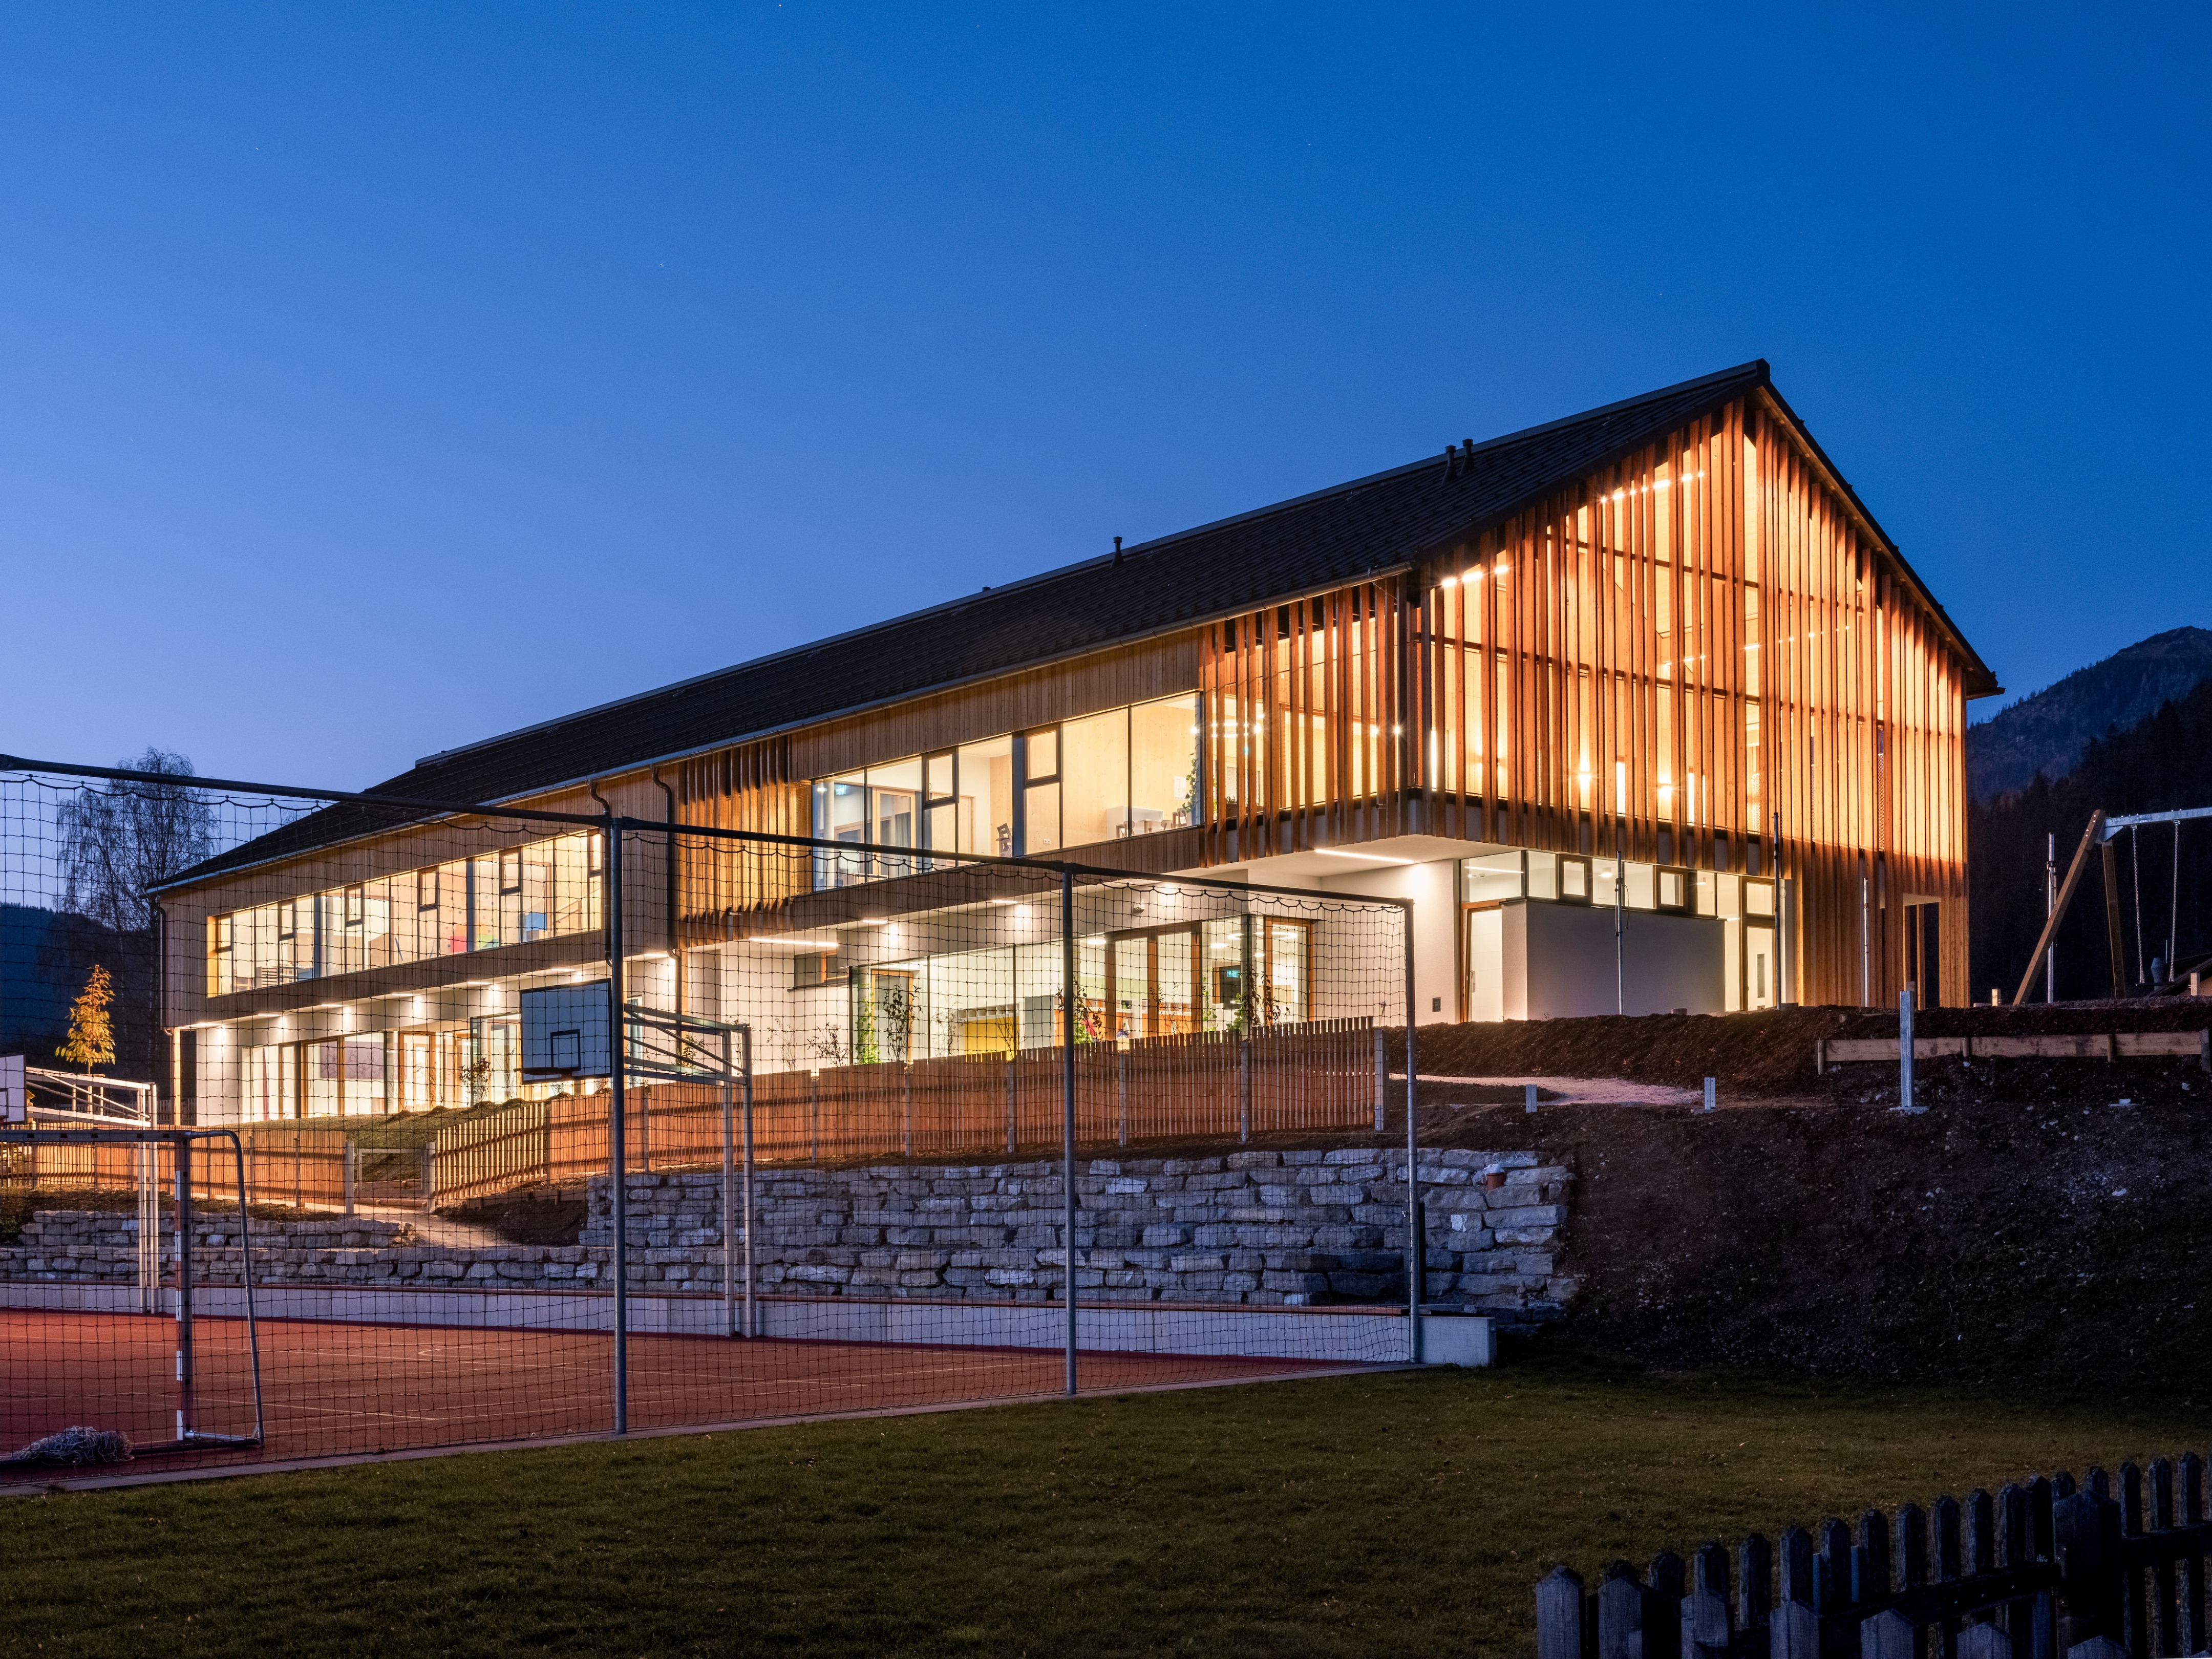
<point x="146" y="1344"/>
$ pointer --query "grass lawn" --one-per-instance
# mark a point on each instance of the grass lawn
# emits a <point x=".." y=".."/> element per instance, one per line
<point x="1402" y="1514"/>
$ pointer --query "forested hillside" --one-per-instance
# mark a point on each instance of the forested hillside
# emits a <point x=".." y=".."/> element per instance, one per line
<point x="2164" y="761"/>
<point x="2047" y="733"/>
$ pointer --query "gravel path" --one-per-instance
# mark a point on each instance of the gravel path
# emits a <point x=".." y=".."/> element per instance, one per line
<point x="1581" y="1091"/>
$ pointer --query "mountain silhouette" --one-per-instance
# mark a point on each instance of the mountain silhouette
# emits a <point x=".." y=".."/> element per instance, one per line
<point x="2047" y="733"/>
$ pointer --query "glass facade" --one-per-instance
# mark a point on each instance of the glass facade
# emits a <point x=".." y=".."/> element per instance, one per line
<point x="540" y="890"/>
<point x="460" y="1063"/>
<point x="1150" y="983"/>
<point x="1130" y="771"/>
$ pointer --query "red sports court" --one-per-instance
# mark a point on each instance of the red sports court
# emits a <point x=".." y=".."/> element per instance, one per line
<point x="347" y="1388"/>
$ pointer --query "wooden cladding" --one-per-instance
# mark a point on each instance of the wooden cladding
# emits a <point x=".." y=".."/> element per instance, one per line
<point x="1666" y="659"/>
<point x="1301" y="741"/>
<point x="1681" y="654"/>
<point x="751" y="788"/>
<point x="1863" y="733"/>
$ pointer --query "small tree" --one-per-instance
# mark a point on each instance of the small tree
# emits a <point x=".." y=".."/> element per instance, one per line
<point x="91" y="1033"/>
<point x="476" y="1078"/>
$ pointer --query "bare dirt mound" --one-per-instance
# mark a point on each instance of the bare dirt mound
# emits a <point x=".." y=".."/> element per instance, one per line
<point x="2001" y="1238"/>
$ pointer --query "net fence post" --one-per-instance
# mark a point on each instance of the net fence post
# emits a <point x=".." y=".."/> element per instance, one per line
<point x="1416" y="1250"/>
<point x="1121" y="1085"/>
<point x="752" y="1311"/>
<point x="1072" y="989"/>
<point x="729" y="1203"/>
<point x="1381" y="1075"/>
<point x="184" y="1164"/>
<point x="1249" y="1013"/>
<point x="618" y="1173"/>
<point x="149" y="1172"/>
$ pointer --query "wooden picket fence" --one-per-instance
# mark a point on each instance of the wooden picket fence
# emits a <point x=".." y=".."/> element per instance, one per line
<point x="1319" y="1074"/>
<point x="303" y="1167"/>
<point x="2042" y="1570"/>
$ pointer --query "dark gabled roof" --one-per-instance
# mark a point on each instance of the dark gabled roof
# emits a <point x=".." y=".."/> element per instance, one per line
<point x="1370" y="525"/>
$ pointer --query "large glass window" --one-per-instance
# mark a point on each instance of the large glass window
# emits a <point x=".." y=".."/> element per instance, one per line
<point x="1639" y="894"/>
<point x="986" y="783"/>
<point x="1094" y="769"/>
<point x="1041" y="798"/>
<point x="1289" y="971"/>
<point x="1129" y="771"/>
<point x="536" y="891"/>
<point x="1163" y="765"/>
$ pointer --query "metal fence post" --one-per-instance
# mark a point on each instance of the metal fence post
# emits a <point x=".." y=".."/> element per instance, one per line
<point x="1904" y="1050"/>
<point x="1072" y="989"/>
<point x="184" y="1162"/>
<point x="729" y="1201"/>
<point x="1416" y="1250"/>
<point x="1381" y="1075"/>
<point x="752" y="1313"/>
<point x="1122" y="1087"/>
<point x="619" y="1173"/>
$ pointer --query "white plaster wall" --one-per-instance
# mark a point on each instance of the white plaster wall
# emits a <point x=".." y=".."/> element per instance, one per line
<point x="1667" y="961"/>
<point x="1434" y="889"/>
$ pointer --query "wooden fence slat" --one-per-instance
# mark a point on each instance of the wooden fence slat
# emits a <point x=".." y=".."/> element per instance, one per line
<point x="1559" y="1615"/>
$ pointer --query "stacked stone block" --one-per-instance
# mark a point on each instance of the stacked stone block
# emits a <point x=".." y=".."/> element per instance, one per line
<point x="1250" y="1228"/>
<point x="1257" y="1229"/>
<point x="95" y="1247"/>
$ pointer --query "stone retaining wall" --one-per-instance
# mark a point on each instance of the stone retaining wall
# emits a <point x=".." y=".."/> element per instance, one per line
<point x="1250" y="1228"/>
<point x="98" y="1247"/>
<point x="1256" y="1228"/>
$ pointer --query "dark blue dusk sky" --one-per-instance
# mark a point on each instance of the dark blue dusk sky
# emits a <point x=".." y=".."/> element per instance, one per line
<point x="374" y="379"/>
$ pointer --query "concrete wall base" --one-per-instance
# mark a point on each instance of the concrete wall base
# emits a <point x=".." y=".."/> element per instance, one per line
<point x="1371" y="1336"/>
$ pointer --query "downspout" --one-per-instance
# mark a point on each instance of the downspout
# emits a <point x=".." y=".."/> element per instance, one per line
<point x="675" y="919"/>
<point x="161" y="1037"/>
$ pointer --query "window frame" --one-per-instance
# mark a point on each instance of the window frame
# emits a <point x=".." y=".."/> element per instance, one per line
<point x="1560" y="895"/>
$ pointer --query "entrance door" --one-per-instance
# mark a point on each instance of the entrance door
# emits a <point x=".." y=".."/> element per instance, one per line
<point x="1761" y="984"/>
<point x="1924" y="952"/>
<point x="1486" y="962"/>
<point x="1155" y="978"/>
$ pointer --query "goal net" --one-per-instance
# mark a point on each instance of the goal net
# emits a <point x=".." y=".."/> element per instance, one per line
<point x="135" y="1335"/>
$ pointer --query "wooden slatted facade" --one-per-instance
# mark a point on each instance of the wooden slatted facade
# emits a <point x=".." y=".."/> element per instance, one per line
<point x="1680" y="655"/>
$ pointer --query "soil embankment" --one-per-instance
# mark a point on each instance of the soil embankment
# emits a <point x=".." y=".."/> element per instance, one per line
<point x="2045" y="1224"/>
